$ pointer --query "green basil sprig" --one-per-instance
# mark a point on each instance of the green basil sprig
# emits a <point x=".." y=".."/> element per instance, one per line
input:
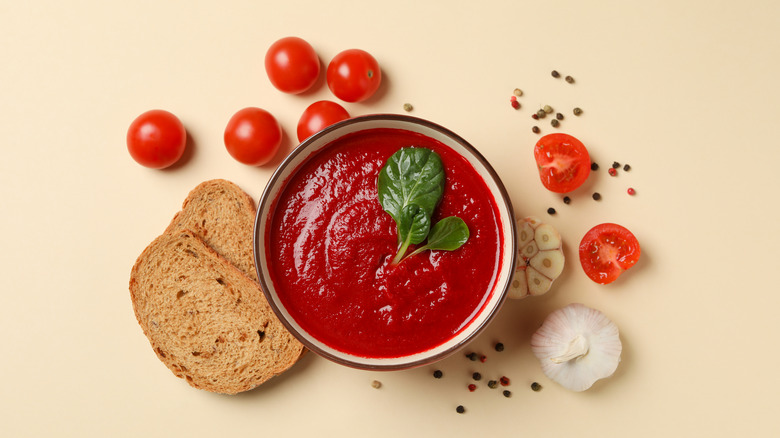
<point x="410" y="186"/>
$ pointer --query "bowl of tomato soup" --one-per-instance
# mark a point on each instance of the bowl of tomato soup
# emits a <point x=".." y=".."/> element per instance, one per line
<point x="326" y="247"/>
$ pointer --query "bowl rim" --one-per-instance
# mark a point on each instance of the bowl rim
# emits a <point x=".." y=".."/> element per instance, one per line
<point x="509" y="245"/>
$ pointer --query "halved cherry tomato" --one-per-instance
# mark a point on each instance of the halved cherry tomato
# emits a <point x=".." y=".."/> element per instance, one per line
<point x="319" y="116"/>
<point x="353" y="75"/>
<point x="563" y="162"/>
<point x="156" y="139"/>
<point x="253" y="136"/>
<point x="606" y="251"/>
<point x="292" y="65"/>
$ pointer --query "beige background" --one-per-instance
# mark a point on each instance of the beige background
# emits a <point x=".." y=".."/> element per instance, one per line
<point x="685" y="92"/>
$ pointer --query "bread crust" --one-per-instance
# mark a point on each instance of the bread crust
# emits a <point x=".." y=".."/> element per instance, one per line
<point x="207" y="321"/>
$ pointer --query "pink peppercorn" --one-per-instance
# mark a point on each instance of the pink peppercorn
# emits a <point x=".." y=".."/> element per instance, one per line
<point x="631" y="191"/>
<point x="515" y="104"/>
<point x="472" y="387"/>
<point x="612" y="171"/>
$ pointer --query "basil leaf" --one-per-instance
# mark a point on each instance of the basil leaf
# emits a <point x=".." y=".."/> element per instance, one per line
<point x="411" y="176"/>
<point x="414" y="226"/>
<point x="448" y="234"/>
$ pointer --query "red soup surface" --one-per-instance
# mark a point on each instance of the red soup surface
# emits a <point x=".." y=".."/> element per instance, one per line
<point x="330" y="245"/>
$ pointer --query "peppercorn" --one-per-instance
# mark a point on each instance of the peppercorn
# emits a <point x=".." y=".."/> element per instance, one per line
<point x="460" y="409"/>
<point x="476" y="376"/>
<point x="492" y="384"/>
<point x="554" y="123"/>
<point x="507" y="393"/>
<point x="472" y="356"/>
<point x="577" y="111"/>
<point x="566" y="200"/>
<point x="550" y="210"/>
<point x="559" y="116"/>
<point x="483" y="358"/>
<point x="472" y="387"/>
<point x="555" y="74"/>
<point x="536" y="387"/>
<point x="594" y="166"/>
<point x="515" y="104"/>
<point x="438" y="374"/>
<point x="596" y="196"/>
<point x="631" y="191"/>
<point x="612" y="171"/>
<point x="534" y="116"/>
<point x="376" y="384"/>
<point x="535" y="129"/>
<point x="518" y="92"/>
<point x="626" y="167"/>
<point x="569" y="79"/>
<point x="615" y="164"/>
<point x="541" y="114"/>
<point x="408" y="107"/>
<point x="547" y="109"/>
<point x="499" y="347"/>
<point x="504" y="381"/>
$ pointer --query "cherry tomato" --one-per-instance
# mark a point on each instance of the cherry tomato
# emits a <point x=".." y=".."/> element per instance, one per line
<point x="353" y="75"/>
<point x="563" y="162"/>
<point x="319" y="116"/>
<point x="253" y="136"/>
<point x="156" y="139"/>
<point x="292" y="65"/>
<point x="606" y="251"/>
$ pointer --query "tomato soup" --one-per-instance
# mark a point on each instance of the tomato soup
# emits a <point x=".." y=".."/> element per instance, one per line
<point x="330" y="243"/>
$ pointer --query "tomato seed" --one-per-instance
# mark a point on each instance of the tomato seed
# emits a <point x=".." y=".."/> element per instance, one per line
<point x="631" y="191"/>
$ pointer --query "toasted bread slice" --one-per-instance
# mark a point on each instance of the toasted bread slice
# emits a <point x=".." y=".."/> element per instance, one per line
<point x="223" y="216"/>
<point x="207" y="321"/>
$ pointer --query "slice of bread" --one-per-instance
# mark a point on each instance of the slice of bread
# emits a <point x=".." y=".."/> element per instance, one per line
<point x="207" y="322"/>
<point x="223" y="216"/>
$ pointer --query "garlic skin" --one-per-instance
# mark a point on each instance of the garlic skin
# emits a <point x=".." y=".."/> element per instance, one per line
<point x="577" y="346"/>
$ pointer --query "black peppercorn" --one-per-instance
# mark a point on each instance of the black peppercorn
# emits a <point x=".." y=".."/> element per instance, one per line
<point x="460" y="409"/>
<point x="577" y="111"/>
<point x="555" y="74"/>
<point x="499" y="347"/>
<point x="536" y="387"/>
<point x="559" y="116"/>
<point x="535" y="129"/>
<point x="473" y="356"/>
<point x="615" y="164"/>
<point x="507" y="393"/>
<point x="596" y="196"/>
<point x="626" y="167"/>
<point x="566" y="200"/>
<point x="569" y="79"/>
<point x="554" y="123"/>
<point x="550" y="210"/>
<point x="438" y="374"/>
<point x="594" y="166"/>
<point x="476" y="376"/>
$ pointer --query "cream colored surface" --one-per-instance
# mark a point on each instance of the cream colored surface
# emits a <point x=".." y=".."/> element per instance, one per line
<point x="686" y="92"/>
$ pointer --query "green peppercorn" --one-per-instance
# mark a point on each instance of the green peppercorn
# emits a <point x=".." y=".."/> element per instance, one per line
<point x="492" y="384"/>
<point x="541" y="114"/>
<point x="408" y="107"/>
<point x="518" y="92"/>
<point x="376" y="384"/>
<point x="460" y="409"/>
<point x="536" y="387"/>
<point x="547" y="109"/>
<point x="577" y="111"/>
<point x="554" y="123"/>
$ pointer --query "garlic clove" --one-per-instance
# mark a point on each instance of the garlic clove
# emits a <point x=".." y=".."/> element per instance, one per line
<point x="577" y="346"/>
<point x="539" y="267"/>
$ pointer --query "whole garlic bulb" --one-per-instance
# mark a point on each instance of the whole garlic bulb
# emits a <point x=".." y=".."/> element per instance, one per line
<point x="577" y="346"/>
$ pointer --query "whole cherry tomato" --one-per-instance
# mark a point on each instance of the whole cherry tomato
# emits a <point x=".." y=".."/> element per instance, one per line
<point x="606" y="251"/>
<point x="156" y="139"/>
<point x="563" y="162"/>
<point x="292" y="65"/>
<point x="319" y="116"/>
<point x="353" y="75"/>
<point x="253" y="136"/>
